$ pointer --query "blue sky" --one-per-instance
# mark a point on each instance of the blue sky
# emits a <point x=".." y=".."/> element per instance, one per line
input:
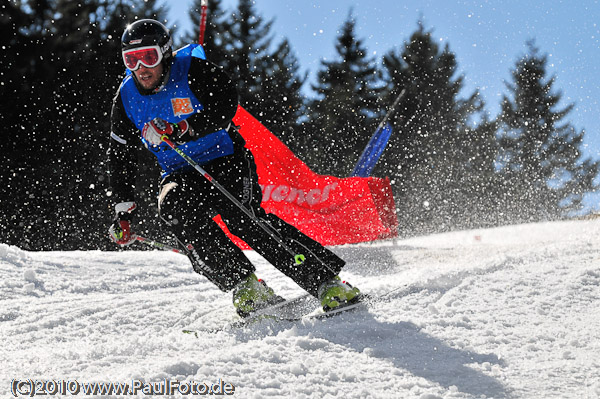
<point x="487" y="38"/>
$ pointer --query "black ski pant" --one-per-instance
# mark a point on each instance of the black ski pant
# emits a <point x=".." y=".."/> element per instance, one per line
<point x="188" y="202"/>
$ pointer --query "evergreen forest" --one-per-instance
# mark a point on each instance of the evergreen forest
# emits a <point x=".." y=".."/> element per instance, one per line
<point x="451" y="165"/>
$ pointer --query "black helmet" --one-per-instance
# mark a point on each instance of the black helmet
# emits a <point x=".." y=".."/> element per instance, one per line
<point x="148" y="32"/>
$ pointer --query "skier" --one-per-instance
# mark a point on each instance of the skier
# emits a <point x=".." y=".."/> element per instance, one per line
<point x="192" y="101"/>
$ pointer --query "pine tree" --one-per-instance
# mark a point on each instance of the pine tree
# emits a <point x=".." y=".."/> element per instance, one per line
<point x="280" y="104"/>
<point x="77" y="126"/>
<point x="247" y="41"/>
<point x="91" y="47"/>
<point x="217" y="31"/>
<point x="61" y="87"/>
<point x="343" y="115"/>
<point x="433" y="147"/>
<point x="268" y="80"/>
<point x="542" y="161"/>
<point x="34" y="129"/>
<point x="481" y="186"/>
<point x="24" y="37"/>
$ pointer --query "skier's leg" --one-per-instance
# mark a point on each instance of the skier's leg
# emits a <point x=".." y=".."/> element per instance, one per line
<point x="292" y="234"/>
<point x="238" y="175"/>
<point x="309" y="275"/>
<point x="184" y="206"/>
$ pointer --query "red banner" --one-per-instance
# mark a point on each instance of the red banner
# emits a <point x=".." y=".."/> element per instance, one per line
<point x="331" y="210"/>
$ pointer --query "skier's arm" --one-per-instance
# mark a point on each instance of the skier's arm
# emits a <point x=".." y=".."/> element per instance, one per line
<point x="216" y="92"/>
<point x="122" y="156"/>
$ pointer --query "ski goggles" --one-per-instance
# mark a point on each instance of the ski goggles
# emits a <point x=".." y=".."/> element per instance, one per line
<point x="149" y="56"/>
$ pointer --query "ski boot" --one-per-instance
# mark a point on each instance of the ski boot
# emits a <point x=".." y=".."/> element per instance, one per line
<point x="335" y="293"/>
<point x="253" y="294"/>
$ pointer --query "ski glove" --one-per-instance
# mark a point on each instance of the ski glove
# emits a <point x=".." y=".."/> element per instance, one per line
<point x="178" y="132"/>
<point x="120" y="230"/>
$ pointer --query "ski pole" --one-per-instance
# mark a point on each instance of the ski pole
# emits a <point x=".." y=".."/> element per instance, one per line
<point x="157" y="244"/>
<point x="298" y="258"/>
<point x="392" y="109"/>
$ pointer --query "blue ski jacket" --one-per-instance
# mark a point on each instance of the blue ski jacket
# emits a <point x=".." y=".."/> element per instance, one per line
<point x="197" y="91"/>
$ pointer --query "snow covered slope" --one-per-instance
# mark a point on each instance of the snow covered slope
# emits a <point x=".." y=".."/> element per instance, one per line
<point x="510" y="312"/>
